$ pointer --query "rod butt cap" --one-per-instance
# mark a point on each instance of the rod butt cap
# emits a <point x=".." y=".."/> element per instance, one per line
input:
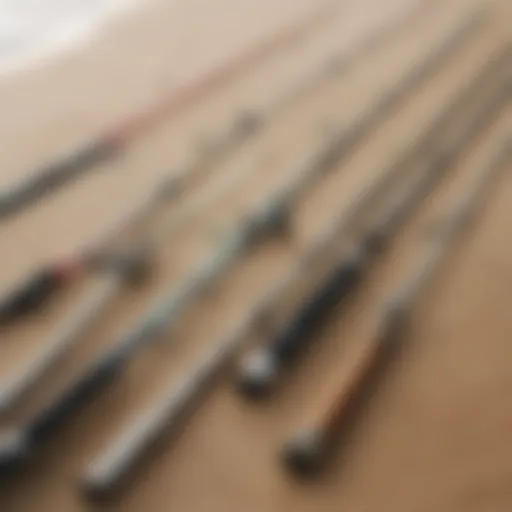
<point x="303" y="455"/>
<point x="258" y="375"/>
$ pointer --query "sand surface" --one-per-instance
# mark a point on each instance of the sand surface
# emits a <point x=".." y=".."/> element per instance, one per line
<point x="436" y="434"/>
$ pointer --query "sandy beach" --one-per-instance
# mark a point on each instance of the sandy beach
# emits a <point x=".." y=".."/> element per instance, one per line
<point x="436" y="434"/>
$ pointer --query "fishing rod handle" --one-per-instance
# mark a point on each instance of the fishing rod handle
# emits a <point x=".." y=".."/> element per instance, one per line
<point x="39" y="182"/>
<point x="19" y="444"/>
<point x="306" y="451"/>
<point x="35" y="291"/>
<point x="59" y="342"/>
<point x="89" y="383"/>
<point x="260" y="372"/>
<point x="313" y="312"/>
<point x="106" y="473"/>
<point x="308" y="448"/>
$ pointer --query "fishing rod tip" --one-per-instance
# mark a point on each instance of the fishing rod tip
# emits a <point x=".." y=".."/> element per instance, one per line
<point x="258" y="375"/>
<point x="303" y="454"/>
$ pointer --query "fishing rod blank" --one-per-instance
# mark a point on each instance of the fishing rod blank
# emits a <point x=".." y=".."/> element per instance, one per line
<point x="308" y="449"/>
<point x="108" y="145"/>
<point x="262" y="369"/>
<point x="41" y="285"/>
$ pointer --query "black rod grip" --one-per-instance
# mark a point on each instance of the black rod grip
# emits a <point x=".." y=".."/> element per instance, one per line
<point x="54" y="175"/>
<point x="92" y="381"/>
<point x="44" y="423"/>
<point x="97" y="377"/>
<point x="31" y="294"/>
<point x="317" y="307"/>
<point x="263" y="367"/>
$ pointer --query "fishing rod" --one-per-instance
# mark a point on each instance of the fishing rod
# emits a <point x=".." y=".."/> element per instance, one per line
<point x="315" y="166"/>
<point x="310" y="446"/>
<point x="274" y="219"/>
<point x="107" y="472"/>
<point x="41" y="285"/>
<point x="108" y="145"/>
<point x="262" y="369"/>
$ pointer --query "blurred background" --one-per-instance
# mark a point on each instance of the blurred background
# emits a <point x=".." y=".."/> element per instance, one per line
<point x="191" y="192"/>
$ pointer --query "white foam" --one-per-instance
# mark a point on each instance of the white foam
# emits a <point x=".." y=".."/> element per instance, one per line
<point x="32" y="31"/>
